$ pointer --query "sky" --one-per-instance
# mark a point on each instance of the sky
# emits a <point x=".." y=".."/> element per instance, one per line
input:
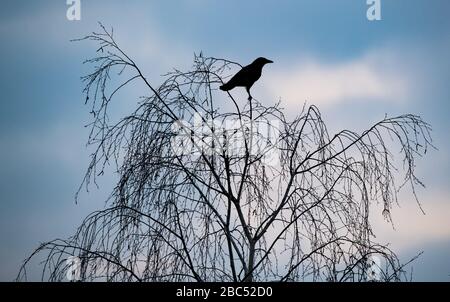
<point x="325" y="52"/>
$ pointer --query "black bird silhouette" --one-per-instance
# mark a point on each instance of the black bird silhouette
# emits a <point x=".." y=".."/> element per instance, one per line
<point x="247" y="76"/>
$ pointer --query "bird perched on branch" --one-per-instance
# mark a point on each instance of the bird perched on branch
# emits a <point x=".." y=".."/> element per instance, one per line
<point x="247" y="76"/>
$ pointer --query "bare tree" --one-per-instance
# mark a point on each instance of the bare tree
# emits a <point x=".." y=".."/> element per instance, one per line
<point x="295" y="208"/>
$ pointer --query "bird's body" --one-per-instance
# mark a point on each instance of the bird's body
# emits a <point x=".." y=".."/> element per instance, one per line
<point x="247" y="76"/>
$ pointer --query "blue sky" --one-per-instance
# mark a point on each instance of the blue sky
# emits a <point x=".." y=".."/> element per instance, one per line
<point x="325" y="52"/>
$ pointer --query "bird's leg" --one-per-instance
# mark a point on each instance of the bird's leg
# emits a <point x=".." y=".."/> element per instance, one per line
<point x="250" y="100"/>
<point x="249" y="95"/>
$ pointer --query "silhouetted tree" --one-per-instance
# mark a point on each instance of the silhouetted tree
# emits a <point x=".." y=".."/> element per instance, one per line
<point x="191" y="207"/>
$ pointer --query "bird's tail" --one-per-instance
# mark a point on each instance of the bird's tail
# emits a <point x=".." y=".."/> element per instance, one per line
<point x="226" y="87"/>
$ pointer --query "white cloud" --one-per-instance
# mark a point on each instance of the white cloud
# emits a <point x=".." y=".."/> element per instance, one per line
<point x="377" y="76"/>
<point x="412" y="228"/>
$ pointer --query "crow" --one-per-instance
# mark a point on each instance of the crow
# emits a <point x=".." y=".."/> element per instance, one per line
<point x="247" y="76"/>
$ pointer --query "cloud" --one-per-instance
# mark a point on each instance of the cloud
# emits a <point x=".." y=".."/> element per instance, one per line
<point x="412" y="227"/>
<point x="377" y="76"/>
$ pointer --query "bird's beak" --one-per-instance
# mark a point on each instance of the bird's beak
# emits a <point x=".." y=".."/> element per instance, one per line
<point x="269" y="61"/>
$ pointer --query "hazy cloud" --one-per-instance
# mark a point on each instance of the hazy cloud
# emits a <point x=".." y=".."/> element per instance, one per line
<point x="373" y="77"/>
<point x="412" y="228"/>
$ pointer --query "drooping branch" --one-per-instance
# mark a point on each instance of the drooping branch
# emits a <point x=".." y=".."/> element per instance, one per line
<point x="213" y="188"/>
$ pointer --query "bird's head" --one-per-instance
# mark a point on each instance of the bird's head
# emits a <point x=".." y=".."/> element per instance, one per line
<point x="262" y="61"/>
